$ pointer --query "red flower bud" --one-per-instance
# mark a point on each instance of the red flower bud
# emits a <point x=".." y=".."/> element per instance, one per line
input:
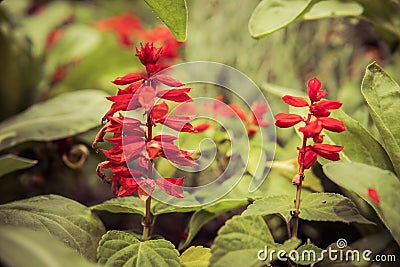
<point x="314" y="85"/>
<point x="295" y="101"/>
<point x="284" y="120"/>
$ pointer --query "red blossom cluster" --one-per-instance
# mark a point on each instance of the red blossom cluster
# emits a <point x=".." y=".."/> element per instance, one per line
<point x="316" y="120"/>
<point x="133" y="139"/>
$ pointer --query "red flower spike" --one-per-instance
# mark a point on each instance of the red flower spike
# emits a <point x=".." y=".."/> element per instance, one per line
<point x="176" y="95"/>
<point x="284" y="120"/>
<point x="314" y="85"/>
<point x="332" y="124"/>
<point x="373" y="195"/>
<point x="128" y="79"/>
<point x="171" y="186"/>
<point x="312" y="129"/>
<point x="295" y="101"/>
<point x="327" y="151"/>
<point x="167" y="80"/>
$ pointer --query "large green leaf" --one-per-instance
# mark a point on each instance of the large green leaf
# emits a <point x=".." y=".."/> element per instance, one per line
<point x="358" y="178"/>
<point x="206" y="214"/>
<point x="117" y="248"/>
<point x="20" y="247"/>
<point x="272" y="15"/>
<point x="314" y="207"/>
<point x="174" y="14"/>
<point x="359" y="144"/>
<point x="65" y="115"/>
<point x="10" y="163"/>
<point x="309" y="254"/>
<point x="382" y="94"/>
<point x="65" y="219"/>
<point x="195" y="257"/>
<point x="240" y="240"/>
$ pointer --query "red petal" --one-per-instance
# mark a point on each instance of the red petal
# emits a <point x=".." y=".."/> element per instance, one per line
<point x="295" y="101"/>
<point x="127" y="79"/>
<point x="239" y="112"/>
<point x="148" y="54"/>
<point x="327" y="151"/>
<point x="373" y="195"/>
<point x="153" y="148"/>
<point x="178" y="123"/>
<point x="174" y="154"/>
<point x="312" y="129"/>
<point x="284" y="120"/>
<point x="177" y="95"/>
<point x="171" y="186"/>
<point x="133" y="146"/>
<point x="167" y="80"/>
<point x="329" y="104"/>
<point x="128" y="187"/>
<point x="165" y="138"/>
<point x="314" y="85"/>
<point x="146" y="96"/>
<point x="201" y="127"/>
<point x="310" y="158"/>
<point x="159" y="112"/>
<point x="332" y="124"/>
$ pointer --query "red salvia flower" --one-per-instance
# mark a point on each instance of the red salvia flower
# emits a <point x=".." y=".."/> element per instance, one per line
<point x="320" y="109"/>
<point x="132" y="139"/>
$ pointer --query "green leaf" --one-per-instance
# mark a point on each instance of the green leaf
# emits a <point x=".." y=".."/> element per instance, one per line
<point x="117" y="248"/>
<point x="330" y="207"/>
<point x="333" y="8"/>
<point x="358" y="178"/>
<point x="308" y="254"/>
<point x="20" y="247"/>
<point x="208" y="213"/>
<point x="65" y="115"/>
<point x="281" y="205"/>
<point x="359" y="144"/>
<point x="272" y="15"/>
<point x="174" y="14"/>
<point x="10" y="163"/>
<point x="195" y="257"/>
<point x="65" y="219"/>
<point x="314" y="207"/>
<point x="239" y="240"/>
<point x="382" y="94"/>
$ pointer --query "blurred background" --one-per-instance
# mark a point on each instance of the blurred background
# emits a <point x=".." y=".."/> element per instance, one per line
<point x="49" y="49"/>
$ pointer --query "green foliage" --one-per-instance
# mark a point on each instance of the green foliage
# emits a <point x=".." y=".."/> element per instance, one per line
<point x="305" y="250"/>
<point x="240" y="239"/>
<point x="358" y="178"/>
<point x="56" y="118"/>
<point x="272" y="15"/>
<point x="20" y="247"/>
<point x="314" y="207"/>
<point x="195" y="257"/>
<point x="382" y="94"/>
<point x="10" y="163"/>
<point x="117" y="248"/>
<point x="68" y="221"/>
<point x="173" y="13"/>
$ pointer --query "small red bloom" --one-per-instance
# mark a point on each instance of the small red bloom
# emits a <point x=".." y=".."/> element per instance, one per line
<point x="201" y="127"/>
<point x="167" y="80"/>
<point x="312" y="129"/>
<point x="295" y="101"/>
<point x="148" y="54"/>
<point x="310" y="157"/>
<point x="373" y="195"/>
<point x="314" y="90"/>
<point x="284" y="120"/>
<point x="128" y="79"/>
<point x="239" y="112"/>
<point x="176" y="95"/>
<point x="332" y="124"/>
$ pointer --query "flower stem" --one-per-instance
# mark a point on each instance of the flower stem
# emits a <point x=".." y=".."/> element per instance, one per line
<point x="298" y="191"/>
<point x="147" y="220"/>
